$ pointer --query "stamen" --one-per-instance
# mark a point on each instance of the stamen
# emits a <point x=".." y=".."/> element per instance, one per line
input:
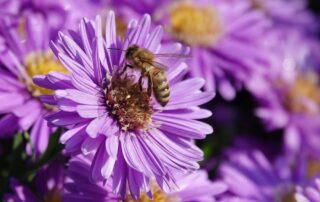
<point x="305" y="87"/>
<point x="22" y="27"/>
<point x="284" y="193"/>
<point x="121" y="24"/>
<point x="40" y="64"/>
<point x="121" y="27"/>
<point x="54" y="195"/>
<point x="193" y="24"/>
<point x="257" y="4"/>
<point x="129" y="104"/>
<point x="288" y="197"/>
<point x="158" y="195"/>
<point x="313" y="168"/>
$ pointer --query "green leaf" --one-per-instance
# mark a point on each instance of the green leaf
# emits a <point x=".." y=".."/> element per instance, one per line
<point x="54" y="148"/>
<point x="17" y="141"/>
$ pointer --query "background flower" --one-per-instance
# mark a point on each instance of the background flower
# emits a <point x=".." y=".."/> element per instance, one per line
<point x="47" y="186"/>
<point x="288" y="92"/>
<point x="250" y="176"/>
<point x="310" y="193"/>
<point x="296" y="13"/>
<point x="20" y="106"/>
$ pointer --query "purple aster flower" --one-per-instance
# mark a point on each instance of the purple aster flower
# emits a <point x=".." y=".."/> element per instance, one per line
<point x="288" y="93"/>
<point x="48" y="186"/>
<point x="78" y="187"/>
<point x="295" y="14"/>
<point x="224" y="35"/>
<point x="20" y="106"/>
<point x="309" y="193"/>
<point x="112" y="116"/>
<point x="250" y="176"/>
<point x="195" y="187"/>
<point x="9" y="7"/>
<point x="59" y="14"/>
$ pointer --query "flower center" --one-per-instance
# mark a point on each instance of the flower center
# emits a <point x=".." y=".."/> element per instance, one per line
<point x="157" y="193"/>
<point x="121" y="24"/>
<point x="313" y="168"/>
<point x="194" y="25"/>
<point x="129" y="104"/>
<point x="288" y="197"/>
<point x="54" y="195"/>
<point x="284" y="193"/>
<point x="40" y="64"/>
<point x="304" y="88"/>
<point x="121" y="27"/>
<point x="257" y="4"/>
<point x="22" y="27"/>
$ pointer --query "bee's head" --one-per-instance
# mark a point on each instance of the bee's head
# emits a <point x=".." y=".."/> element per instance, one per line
<point x="130" y="51"/>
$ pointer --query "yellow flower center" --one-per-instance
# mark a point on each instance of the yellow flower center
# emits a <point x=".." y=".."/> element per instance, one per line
<point x="40" y="64"/>
<point x="194" y="25"/>
<point x="305" y="87"/>
<point x="158" y="196"/>
<point x="129" y="103"/>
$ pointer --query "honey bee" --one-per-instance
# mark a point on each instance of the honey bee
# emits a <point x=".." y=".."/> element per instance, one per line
<point x="144" y="60"/>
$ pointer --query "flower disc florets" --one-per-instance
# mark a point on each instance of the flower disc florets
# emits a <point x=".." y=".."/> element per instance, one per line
<point x="40" y="64"/>
<point x="194" y="24"/>
<point x="129" y="103"/>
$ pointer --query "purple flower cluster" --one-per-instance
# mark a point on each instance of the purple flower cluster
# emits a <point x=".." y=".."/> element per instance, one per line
<point x="112" y="100"/>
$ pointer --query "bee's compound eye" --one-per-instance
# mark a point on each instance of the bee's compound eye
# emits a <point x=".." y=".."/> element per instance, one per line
<point x="129" y="52"/>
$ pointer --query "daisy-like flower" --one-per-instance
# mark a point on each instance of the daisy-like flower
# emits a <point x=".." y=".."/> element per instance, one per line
<point x="20" y="106"/>
<point x="309" y="193"/>
<point x="224" y="36"/>
<point x="48" y="186"/>
<point x="110" y="114"/>
<point x="59" y="14"/>
<point x="250" y="176"/>
<point x="195" y="187"/>
<point x="288" y="94"/>
<point x="9" y="7"/>
<point x="296" y="13"/>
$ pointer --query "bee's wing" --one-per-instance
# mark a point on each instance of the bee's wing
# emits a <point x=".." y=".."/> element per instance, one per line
<point x="159" y="65"/>
<point x="167" y="56"/>
<point x="172" y="55"/>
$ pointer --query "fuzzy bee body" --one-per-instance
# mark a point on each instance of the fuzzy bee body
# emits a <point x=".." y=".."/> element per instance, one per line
<point x="144" y="60"/>
<point x="160" y="86"/>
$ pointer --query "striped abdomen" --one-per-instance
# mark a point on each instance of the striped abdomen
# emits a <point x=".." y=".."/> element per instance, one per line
<point x="160" y="86"/>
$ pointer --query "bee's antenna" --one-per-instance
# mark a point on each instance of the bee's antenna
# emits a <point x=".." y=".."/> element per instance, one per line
<point x="117" y="49"/>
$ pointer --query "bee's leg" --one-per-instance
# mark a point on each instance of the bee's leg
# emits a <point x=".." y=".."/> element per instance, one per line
<point x="150" y="84"/>
<point x="125" y="68"/>
<point x="140" y="79"/>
